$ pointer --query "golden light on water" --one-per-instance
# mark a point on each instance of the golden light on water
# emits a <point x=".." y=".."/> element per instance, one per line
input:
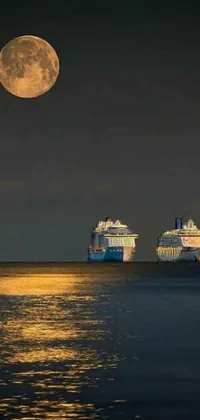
<point x="52" y="334"/>
<point x="43" y="284"/>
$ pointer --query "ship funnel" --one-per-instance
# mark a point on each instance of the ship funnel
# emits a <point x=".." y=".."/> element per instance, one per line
<point x="178" y="223"/>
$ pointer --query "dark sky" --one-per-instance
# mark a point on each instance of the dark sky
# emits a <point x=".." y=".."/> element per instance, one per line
<point x="118" y="135"/>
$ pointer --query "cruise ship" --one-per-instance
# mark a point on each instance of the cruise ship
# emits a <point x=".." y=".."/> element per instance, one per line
<point x="181" y="243"/>
<point x="112" y="241"/>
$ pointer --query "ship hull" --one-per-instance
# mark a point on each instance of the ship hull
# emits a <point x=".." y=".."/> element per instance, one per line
<point x="112" y="254"/>
<point x="96" y="256"/>
<point x="185" y="254"/>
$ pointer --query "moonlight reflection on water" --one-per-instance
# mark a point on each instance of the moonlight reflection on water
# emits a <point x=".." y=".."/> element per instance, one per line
<point x="51" y="342"/>
<point x="104" y="341"/>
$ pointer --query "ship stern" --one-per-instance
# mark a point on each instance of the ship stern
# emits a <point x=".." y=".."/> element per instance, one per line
<point x="119" y="253"/>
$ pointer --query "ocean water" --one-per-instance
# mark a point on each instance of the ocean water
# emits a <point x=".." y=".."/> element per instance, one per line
<point x="86" y="341"/>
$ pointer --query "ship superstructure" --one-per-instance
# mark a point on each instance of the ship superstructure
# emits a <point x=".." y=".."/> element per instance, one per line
<point x="111" y="241"/>
<point x="181" y="243"/>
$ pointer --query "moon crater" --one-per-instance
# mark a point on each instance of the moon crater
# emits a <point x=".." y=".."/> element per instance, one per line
<point x="29" y="66"/>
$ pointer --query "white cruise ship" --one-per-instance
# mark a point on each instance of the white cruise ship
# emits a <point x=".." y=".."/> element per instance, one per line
<point x="111" y="241"/>
<point x="181" y="243"/>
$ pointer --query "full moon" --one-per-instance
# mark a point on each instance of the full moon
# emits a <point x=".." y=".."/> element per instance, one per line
<point x="29" y="66"/>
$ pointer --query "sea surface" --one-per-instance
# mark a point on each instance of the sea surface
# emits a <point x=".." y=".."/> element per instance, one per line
<point x="100" y="341"/>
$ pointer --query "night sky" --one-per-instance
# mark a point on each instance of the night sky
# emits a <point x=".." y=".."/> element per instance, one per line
<point x="118" y="135"/>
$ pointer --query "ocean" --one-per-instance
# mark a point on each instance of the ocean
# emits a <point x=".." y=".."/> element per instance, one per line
<point x="100" y="341"/>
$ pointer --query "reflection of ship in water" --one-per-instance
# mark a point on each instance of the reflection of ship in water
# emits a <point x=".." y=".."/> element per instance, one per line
<point x="181" y="243"/>
<point x="112" y="241"/>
